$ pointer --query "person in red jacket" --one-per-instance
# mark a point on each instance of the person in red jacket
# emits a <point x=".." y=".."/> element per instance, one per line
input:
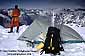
<point x="15" y="19"/>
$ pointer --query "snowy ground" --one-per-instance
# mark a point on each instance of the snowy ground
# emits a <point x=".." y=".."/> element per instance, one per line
<point x="8" y="41"/>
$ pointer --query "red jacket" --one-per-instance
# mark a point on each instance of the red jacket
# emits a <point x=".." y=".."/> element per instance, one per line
<point x="15" y="18"/>
<point x="16" y="12"/>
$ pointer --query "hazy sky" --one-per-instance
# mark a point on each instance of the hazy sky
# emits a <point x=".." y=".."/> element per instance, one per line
<point x="42" y="3"/>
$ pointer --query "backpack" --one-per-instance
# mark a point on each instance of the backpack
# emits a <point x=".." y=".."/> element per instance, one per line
<point x="52" y="41"/>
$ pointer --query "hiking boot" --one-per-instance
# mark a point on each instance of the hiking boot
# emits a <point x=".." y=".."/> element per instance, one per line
<point x="17" y="31"/>
<point x="10" y="32"/>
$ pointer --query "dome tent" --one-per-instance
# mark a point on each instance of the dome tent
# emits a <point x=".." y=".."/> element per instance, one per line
<point x="33" y="31"/>
<point x="68" y="35"/>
